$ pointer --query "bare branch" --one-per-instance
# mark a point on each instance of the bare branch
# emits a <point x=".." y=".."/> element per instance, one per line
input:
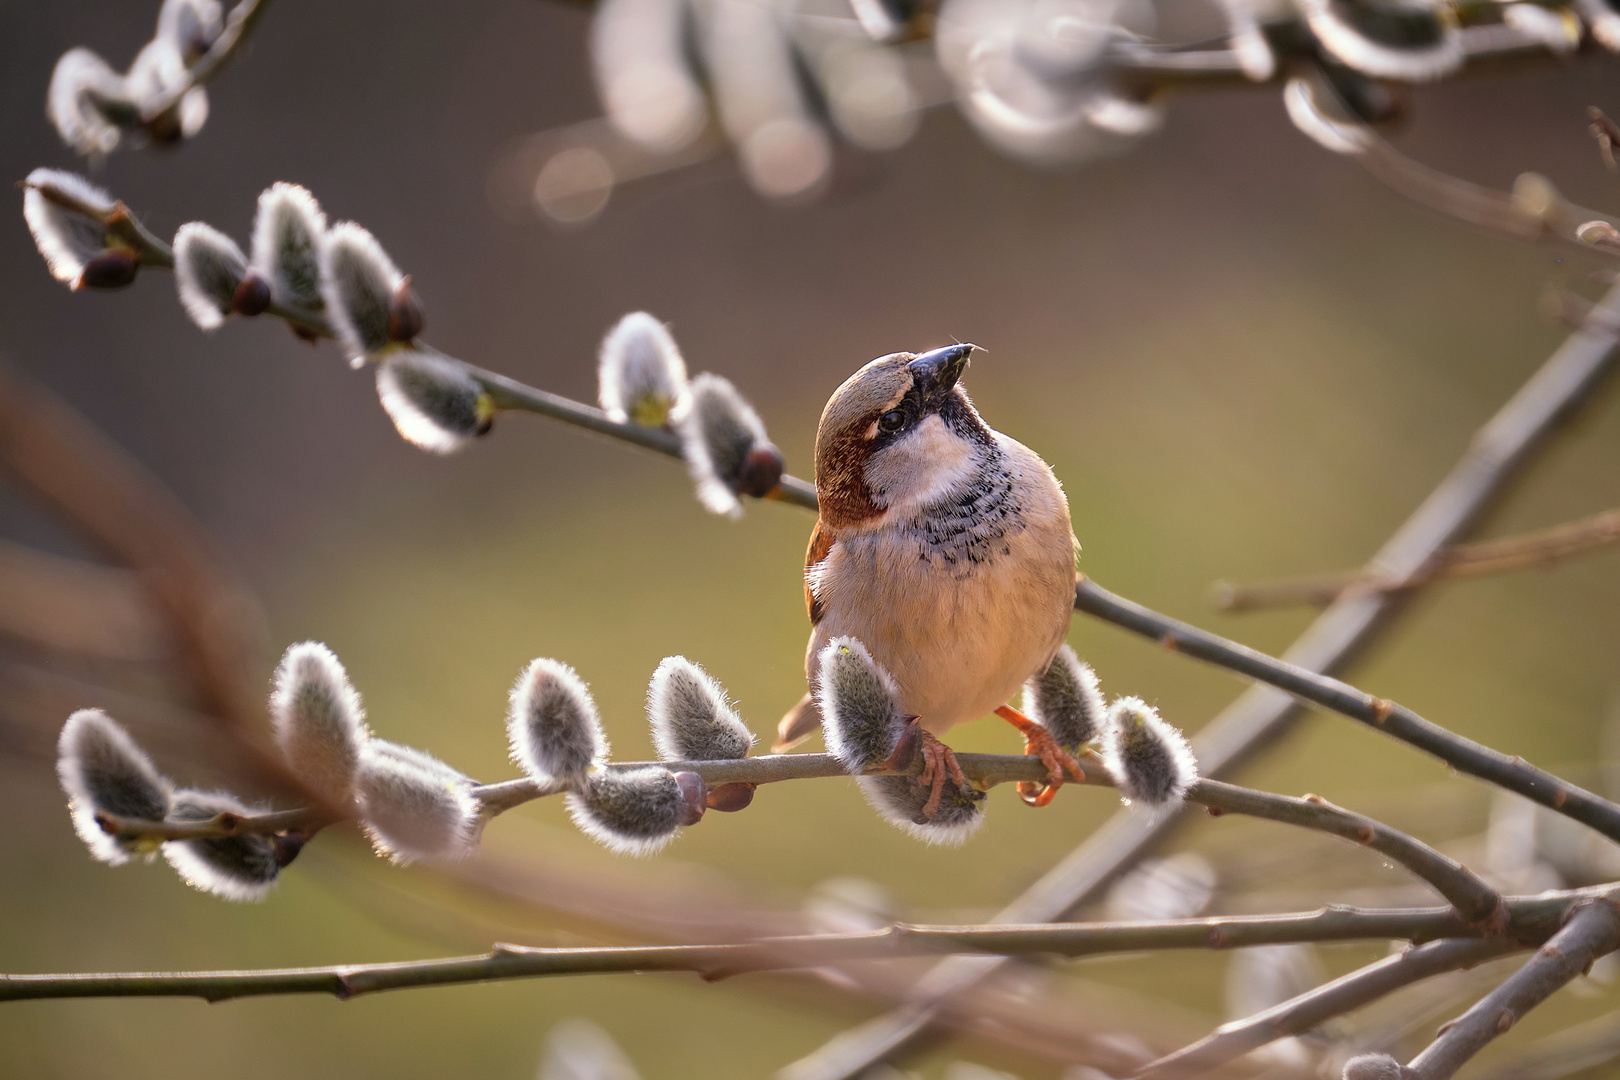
<point x="1513" y="773"/>
<point x="1479" y="559"/>
<point x="1576" y="1049"/>
<point x="1593" y="930"/>
<point x="811" y="950"/>
<point x="1299" y="1015"/>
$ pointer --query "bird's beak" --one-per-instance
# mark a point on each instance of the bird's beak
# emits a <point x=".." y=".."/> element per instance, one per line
<point x="937" y="371"/>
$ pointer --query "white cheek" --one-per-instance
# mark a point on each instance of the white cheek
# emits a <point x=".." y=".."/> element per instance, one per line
<point x="927" y="464"/>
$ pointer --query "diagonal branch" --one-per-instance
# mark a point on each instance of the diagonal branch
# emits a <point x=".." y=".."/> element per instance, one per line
<point x="1593" y="930"/>
<point x="1480" y="559"/>
<point x="1513" y="773"/>
<point x="1315" y="1007"/>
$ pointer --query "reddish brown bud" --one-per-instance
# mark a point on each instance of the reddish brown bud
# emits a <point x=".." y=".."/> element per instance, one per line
<point x="404" y="313"/>
<point x="696" y="794"/>
<point x="112" y="269"/>
<point x="761" y="471"/>
<point x="729" y="798"/>
<point x="288" y="845"/>
<point x="252" y="296"/>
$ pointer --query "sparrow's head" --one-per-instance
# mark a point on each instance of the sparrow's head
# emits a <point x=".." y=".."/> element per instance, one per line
<point x="899" y="432"/>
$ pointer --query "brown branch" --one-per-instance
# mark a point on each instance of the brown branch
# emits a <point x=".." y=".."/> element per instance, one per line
<point x="1315" y="1007"/>
<point x="1479" y="559"/>
<point x="1593" y="931"/>
<point x="810" y="950"/>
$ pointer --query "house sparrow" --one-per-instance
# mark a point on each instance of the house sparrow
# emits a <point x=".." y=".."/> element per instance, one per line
<point x="944" y="547"/>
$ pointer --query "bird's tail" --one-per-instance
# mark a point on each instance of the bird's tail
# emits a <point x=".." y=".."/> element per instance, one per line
<point x="801" y="722"/>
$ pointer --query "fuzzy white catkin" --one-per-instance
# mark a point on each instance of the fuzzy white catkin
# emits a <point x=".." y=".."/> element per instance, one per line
<point x="1372" y="1067"/>
<point x="1066" y="701"/>
<point x="241" y="868"/>
<point x="552" y="724"/>
<point x="79" y="77"/>
<point x="288" y="230"/>
<point x="358" y="281"/>
<point x="717" y="428"/>
<point x="899" y="800"/>
<point x="691" y="717"/>
<point x="65" y="238"/>
<point x="193" y="25"/>
<point x="629" y="811"/>
<point x="318" y="719"/>
<point x="102" y="770"/>
<point x="640" y="373"/>
<point x="1148" y="758"/>
<point x="1350" y="39"/>
<point x="413" y="805"/>
<point x="859" y="703"/>
<point x="433" y="402"/>
<point x="208" y="266"/>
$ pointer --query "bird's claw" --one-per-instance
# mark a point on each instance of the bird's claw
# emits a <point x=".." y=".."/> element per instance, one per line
<point x="939" y="762"/>
<point x="1038" y="742"/>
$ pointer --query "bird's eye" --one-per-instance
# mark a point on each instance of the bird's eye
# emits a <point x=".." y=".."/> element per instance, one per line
<point x="891" y="421"/>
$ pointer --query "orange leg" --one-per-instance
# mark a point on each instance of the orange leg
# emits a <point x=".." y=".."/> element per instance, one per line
<point x="1039" y="743"/>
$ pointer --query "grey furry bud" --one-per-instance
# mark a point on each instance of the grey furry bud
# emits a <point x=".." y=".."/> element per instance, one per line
<point x="358" y="282"/>
<point x="288" y="230"/>
<point x="432" y="401"/>
<point x="718" y="428"/>
<point x="414" y="806"/>
<point x="1065" y="700"/>
<point x="239" y="868"/>
<point x="102" y="771"/>
<point x="1149" y="760"/>
<point x="630" y="811"/>
<point x="81" y="85"/>
<point x="66" y="215"/>
<point x="640" y="373"/>
<point x="899" y="801"/>
<point x="1373" y="1067"/>
<point x="860" y="706"/>
<point x="692" y="720"/>
<point x="318" y="719"/>
<point x="552" y="724"/>
<point x="1388" y="39"/>
<point x="208" y="268"/>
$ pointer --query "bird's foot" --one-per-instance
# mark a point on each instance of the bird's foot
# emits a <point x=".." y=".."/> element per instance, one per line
<point x="939" y="762"/>
<point x="1038" y="742"/>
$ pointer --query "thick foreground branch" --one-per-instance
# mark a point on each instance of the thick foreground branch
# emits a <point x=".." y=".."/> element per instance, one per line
<point x="1530" y="917"/>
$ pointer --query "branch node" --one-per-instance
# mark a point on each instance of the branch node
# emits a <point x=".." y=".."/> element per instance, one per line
<point x="1381" y="708"/>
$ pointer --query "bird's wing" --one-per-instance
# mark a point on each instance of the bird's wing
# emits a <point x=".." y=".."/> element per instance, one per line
<point x="821" y="542"/>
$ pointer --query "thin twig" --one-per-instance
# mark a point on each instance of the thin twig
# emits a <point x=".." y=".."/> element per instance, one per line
<point x="1495" y="456"/>
<point x="1479" y="559"/>
<point x="1593" y="930"/>
<point x="1513" y="773"/>
<point x="1315" y="1007"/>
<point x="810" y="950"/>
<point x="1573" y="1050"/>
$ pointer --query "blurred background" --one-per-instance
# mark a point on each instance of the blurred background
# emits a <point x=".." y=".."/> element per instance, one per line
<point x="1243" y="357"/>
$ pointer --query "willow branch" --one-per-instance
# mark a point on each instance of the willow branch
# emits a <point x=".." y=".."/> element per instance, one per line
<point x="1593" y="931"/>
<point x="162" y="108"/>
<point x="1480" y="559"/>
<point x="1496" y="455"/>
<point x="1573" y="1050"/>
<point x="1512" y="773"/>
<point x="506" y="393"/>
<point x="1315" y="1007"/>
<point x="1475" y="901"/>
<point x="811" y="950"/>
